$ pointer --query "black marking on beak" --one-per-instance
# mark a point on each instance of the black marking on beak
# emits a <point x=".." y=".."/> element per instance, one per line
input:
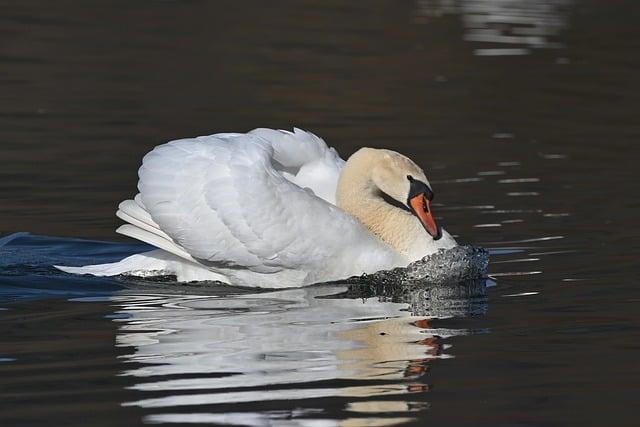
<point x="418" y="187"/>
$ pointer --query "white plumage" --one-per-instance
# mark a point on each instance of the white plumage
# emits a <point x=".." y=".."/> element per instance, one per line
<point x="254" y="209"/>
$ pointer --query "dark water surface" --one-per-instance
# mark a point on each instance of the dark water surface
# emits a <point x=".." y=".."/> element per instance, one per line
<point x="523" y="113"/>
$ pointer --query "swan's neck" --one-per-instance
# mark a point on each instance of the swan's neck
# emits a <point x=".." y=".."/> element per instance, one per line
<point x="394" y="226"/>
<point x="358" y="195"/>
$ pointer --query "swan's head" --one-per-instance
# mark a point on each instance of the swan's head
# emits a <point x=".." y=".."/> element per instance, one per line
<point x="400" y="178"/>
<point x="376" y="173"/>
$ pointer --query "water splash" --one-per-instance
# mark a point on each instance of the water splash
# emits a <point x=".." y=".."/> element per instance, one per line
<point x="447" y="266"/>
<point x="448" y="283"/>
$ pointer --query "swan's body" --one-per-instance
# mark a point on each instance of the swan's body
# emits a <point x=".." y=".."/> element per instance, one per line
<point x="259" y="209"/>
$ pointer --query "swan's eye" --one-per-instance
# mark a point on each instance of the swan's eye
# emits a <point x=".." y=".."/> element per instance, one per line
<point x="409" y="177"/>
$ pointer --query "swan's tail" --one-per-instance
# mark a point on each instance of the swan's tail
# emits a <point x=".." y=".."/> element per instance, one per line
<point x="169" y="259"/>
<point x="149" y="264"/>
<point x="142" y="227"/>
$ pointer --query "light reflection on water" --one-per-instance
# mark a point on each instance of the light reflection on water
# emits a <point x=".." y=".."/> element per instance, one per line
<point x="503" y="27"/>
<point x="203" y="351"/>
<point x="566" y="258"/>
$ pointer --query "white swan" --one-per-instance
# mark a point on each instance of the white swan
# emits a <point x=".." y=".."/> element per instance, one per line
<point x="274" y="209"/>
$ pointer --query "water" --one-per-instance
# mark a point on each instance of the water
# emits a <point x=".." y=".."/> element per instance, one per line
<point x="523" y="113"/>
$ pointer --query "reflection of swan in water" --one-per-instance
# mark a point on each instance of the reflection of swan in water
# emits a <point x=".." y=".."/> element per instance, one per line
<point x="512" y="27"/>
<point x="204" y="350"/>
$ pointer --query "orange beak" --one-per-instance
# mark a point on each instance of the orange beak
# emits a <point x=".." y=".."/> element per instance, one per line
<point x="421" y="207"/>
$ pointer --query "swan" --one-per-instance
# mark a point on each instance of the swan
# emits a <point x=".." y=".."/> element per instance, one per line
<point x="275" y="209"/>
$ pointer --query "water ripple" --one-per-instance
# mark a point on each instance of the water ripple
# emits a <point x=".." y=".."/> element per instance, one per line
<point x="209" y="350"/>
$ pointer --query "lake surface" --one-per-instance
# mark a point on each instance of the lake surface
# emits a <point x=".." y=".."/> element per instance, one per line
<point x="523" y="113"/>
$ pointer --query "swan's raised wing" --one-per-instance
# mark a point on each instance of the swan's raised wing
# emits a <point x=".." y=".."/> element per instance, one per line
<point x="304" y="159"/>
<point x="223" y="200"/>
